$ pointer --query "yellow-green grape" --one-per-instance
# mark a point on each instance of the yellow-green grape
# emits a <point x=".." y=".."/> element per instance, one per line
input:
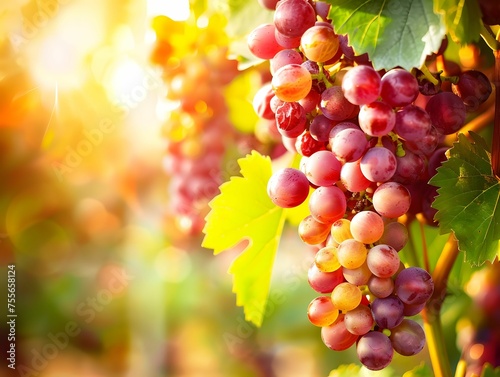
<point x="341" y="230"/>
<point x="351" y="254"/>
<point x="346" y="296"/>
<point x="326" y="259"/>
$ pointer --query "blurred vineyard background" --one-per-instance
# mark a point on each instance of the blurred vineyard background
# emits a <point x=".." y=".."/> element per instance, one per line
<point x="118" y="121"/>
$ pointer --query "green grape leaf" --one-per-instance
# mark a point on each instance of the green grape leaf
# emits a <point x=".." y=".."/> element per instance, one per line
<point x="462" y="19"/>
<point x="392" y="32"/>
<point x="243" y="211"/>
<point x="468" y="199"/>
<point x="489" y="371"/>
<point x="350" y="370"/>
<point x="421" y="370"/>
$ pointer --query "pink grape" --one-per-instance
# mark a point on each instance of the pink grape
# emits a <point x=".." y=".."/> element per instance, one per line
<point x="398" y="87"/>
<point x="352" y="178"/>
<point x="288" y="187"/>
<point x="391" y="199"/>
<point x="378" y="164"/>
<point x="291" y="82"/>
<point x="293" y="17"/>
<point x="262" y="42"/>
<point x="319" y="43"/>
<point x="322" y="168"/>
<point x="349" y="144"/>
<point x="376" y="118"/>
<point x="367" y="227"/>
<point x="321" y="311"/>
<point x="361" y="85"/>
<point x="284" y="57"/>
<point x="336" y="336"/>
<point x="383" y="261"/>
<point x="327" y="204"/>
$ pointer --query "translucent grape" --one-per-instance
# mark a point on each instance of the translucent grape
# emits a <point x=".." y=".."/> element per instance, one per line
<point x="288" y="187"/>
<point x="348" y="144"/>
<point x="383" y="261"/>
<point x="336" y="336"/>
<point x="291" y="82"/>
<point x="319" y="43"/>
<point x="376" y="118"/>
<point x="284" y="57"/>
<point x="327" y="204"/>
<point x="351" y="253"/>
<point x="320" y="128"/>
<point x="357" y="276"/>
<point x="374" y="350"/>
<point x="352" y="178"/>
<point x="341" y="230"/>
<point x="412" y="123"/>
<point x="346" y="296"/>
<point x="361" y="85"/>
<point x="391" y="199"/>
<point x="262" y="42"/>
<point x="322" y="168"/>
<point x="321" y="311"/>
<point x="395" y="235"/>
<point x="326" y="259"/>
<point x="378" y="164"/>
<point x="313" y="232"/>
<point x="293" y="17"/>
<point x="324" y="282"/>
<point x="473" y="88"/>
<point x="367" y="227"/>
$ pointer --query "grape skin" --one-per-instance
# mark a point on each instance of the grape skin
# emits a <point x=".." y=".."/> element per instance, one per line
<point x="291" y="82"/>
<point x="361" y="85"/>
<point x="288" y="187"/>
<point x="414" y="286"/>
<point x="408" y="338"/>
<point x="375" y="350"/>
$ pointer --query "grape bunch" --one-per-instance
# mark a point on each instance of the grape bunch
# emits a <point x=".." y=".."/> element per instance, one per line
<point x="369" y="140"/>
<point x="199" y="136"/>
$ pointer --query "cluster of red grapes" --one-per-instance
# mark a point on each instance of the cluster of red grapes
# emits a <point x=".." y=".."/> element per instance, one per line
<point x="200" y="138"/>
<point x="366" y="147"/>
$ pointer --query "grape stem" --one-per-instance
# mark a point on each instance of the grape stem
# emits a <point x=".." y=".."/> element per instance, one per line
<point x="431" y="313"/>
<point x="428" y="75"/>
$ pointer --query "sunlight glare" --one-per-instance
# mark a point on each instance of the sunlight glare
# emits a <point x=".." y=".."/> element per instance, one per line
<point x="176" y="10"/>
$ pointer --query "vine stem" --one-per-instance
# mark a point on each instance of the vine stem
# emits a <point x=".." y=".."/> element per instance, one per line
<point x="495" y="149"/>
<point x="493" y="42"/>
<point x="431" y="313"/>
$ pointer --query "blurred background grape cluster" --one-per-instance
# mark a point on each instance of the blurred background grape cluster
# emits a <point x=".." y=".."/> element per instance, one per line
<point x="118" y="122"/>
